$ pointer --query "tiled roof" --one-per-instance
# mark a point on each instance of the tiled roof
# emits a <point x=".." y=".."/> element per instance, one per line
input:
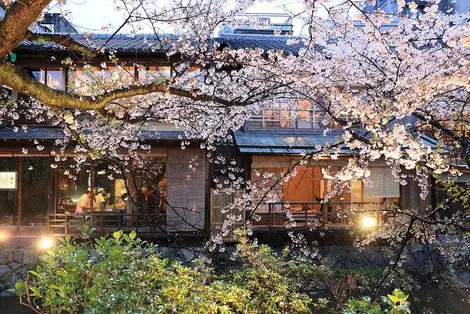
<point x="283" y="143"/>
<point x="54" y="133"/>
<point x="36" y="45"/>
<point x="32" y="133"/>
<point x="142" y="42"/>
<point x="152" y="43"/>
<point x="266" y="42"/>
<point x="295" y="142"/>
<point x="162" y="135"/>
<point x="120" y="43"/>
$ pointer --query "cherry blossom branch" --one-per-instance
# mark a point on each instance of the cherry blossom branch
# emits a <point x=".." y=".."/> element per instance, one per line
<point x="19" y="80"/>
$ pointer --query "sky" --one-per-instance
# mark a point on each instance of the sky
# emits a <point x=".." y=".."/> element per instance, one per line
<point x="100" y="16"/>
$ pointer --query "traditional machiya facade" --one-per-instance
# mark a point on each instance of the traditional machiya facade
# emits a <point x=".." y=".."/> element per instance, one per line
<point x="276" y="144"/>
<point x="39" y="192"/>
<point x="39" y="195"/>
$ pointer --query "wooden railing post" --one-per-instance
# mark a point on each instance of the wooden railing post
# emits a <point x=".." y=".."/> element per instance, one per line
<point x="48" y="222"/>
<point x="101" y="223"/>
<point x="66" y="229"/>
<point x="137" y="222"/>
<point x="305" y="208"/>
<point x="271" y="218"/>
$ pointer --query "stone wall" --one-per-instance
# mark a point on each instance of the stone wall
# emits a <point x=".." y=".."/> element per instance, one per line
<point x="186" y="175"/>
<point x="418" y="260"/>
<point x="14" y="265"/>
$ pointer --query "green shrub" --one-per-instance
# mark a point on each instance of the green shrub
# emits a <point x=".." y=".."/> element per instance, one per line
<point x="122" y="274"/>
<point x="395" y="303"/>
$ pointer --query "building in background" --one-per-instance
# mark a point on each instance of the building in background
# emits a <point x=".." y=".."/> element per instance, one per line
<point x="35" y="197"/>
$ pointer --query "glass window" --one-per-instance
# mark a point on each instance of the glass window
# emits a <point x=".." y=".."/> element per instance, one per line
<point x="151" y="174"/>
<point x="90" y="80"/>
<point x="305" y="187"/>
<point x="154" y="73"/>
<point x="36" y="190"/>
<point x="282" y="115"/>
<point x="109" y="188"/>
<point x="39" y="75"/>
<point x="8" y="197"/>
<point x="72" y="184"/>
<point x="55" y="78"/>
<point x="357" y="192"/>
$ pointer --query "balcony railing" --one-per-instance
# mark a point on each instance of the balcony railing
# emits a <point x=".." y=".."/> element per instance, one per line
<point x="105" y="223"/>
<point x="305" y="119"/>
<point x="317" y="214"/>
<point x="281" y="119"/>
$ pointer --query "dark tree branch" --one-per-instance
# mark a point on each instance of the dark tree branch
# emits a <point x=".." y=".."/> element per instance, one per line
<point x="17" y="20"/>
<point x="19" y="80"/>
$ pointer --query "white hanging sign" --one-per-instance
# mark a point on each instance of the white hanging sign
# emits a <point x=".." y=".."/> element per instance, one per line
<point x="8" y="180"/>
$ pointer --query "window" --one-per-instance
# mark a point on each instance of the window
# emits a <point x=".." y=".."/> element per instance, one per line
<point x="308" y="188"/>
<point x="8" y="198"/>
<point x="71" y="184"/>
<point x="90" y="80"/>
<point x="36" y="191"/>
<point x="53" y="77"/>
<point x="35" y="174"/>
<point x="154" y="73"/>
<point x="39" y="75"/>
<point x="281" y="115"/>
<point x="112" y="186"/>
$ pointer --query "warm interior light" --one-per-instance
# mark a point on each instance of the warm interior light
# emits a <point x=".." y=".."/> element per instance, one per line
<point x="3" y="236"/>
<point x="368" y="222"/>
<point x="46" y="243"/>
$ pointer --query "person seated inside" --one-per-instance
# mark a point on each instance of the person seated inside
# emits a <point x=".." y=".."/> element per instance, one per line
<point x="84" y="203"/>
<point x="121" y="202"/>
<point x="151" y="198"/>
<point x="100" y="200"/>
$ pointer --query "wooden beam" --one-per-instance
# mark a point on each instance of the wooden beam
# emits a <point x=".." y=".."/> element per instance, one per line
<point x="92" y="186"/>
<point x="19" y="193"/>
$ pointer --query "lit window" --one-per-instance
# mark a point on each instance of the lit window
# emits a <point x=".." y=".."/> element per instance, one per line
<point x="39" y="75"/>
<point x="55" y="78"/>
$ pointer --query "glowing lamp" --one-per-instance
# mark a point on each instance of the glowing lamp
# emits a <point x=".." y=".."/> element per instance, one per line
<point x="46" y="243"/>
<point x="3" y="236"/>
<point x="368" y="222"/>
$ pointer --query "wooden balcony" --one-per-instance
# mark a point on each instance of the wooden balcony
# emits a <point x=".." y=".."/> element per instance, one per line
<point x="339" y="215"/>
<point x="105" y="223"/>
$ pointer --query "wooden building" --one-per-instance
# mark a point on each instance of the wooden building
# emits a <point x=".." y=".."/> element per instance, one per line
<point x="38" y="194"/>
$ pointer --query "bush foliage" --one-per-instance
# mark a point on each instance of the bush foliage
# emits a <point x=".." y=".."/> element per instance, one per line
<point x="123" y="274"/>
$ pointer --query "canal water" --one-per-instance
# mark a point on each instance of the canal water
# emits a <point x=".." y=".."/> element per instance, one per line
<point x="12" y="306"/>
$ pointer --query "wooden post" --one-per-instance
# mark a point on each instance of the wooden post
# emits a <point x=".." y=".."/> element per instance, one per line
<point x="54" y="191"/>
<point x="129" y="203"/>
<point x="66" y="221"/>
<point x="271" y="217"/>
<point x="92" y="186"/>
<point x="305" y="208"/>
<point x="101" y="224"/>
<point x="19" y="194"/>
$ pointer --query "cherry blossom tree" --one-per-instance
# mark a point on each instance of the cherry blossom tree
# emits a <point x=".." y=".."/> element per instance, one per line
<point x="397" y="75"/>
